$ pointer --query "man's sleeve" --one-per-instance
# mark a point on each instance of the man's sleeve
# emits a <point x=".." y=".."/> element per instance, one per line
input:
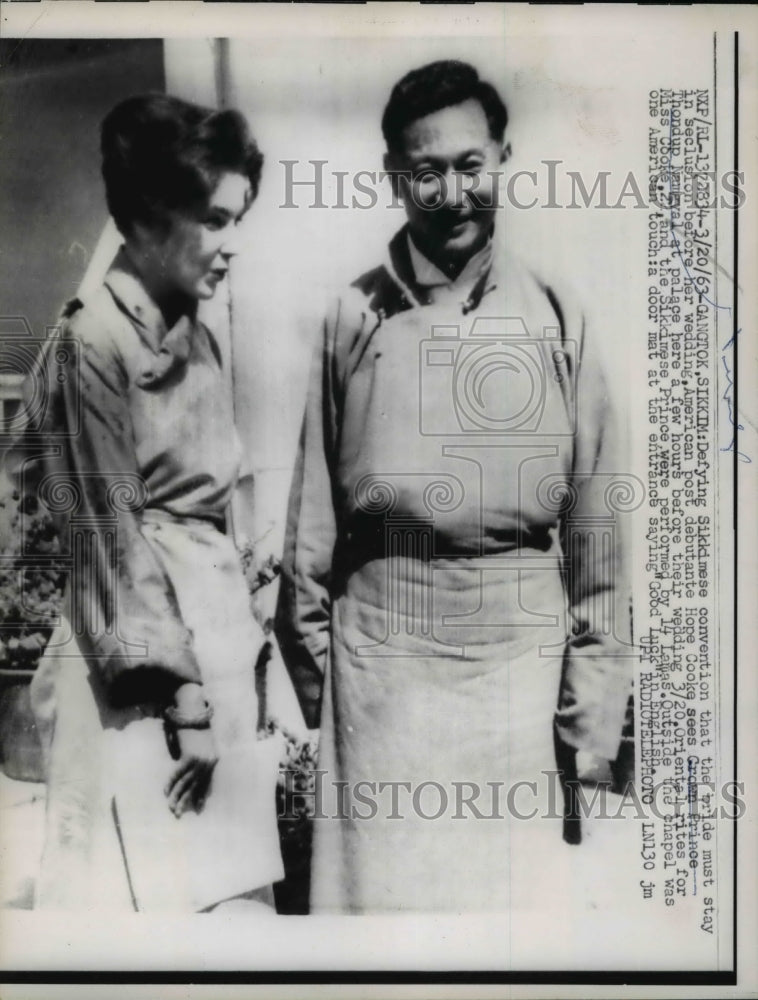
<point x="597" y="672"/>
<point x="303" y="619"/>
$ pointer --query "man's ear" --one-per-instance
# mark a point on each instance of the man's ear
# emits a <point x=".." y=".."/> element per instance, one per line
<point x="392" y="170"/>
<point x="505" y="153"/>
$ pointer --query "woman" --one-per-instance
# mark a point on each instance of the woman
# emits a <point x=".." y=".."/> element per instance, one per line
<point x="159" y="795"/>
<point x="452" y="501"/>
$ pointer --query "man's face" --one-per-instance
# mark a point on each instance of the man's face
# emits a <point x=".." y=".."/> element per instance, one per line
<point x="449" y="172"/>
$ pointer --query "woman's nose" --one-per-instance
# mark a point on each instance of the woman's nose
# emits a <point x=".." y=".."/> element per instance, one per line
<point x="232" y="242"/>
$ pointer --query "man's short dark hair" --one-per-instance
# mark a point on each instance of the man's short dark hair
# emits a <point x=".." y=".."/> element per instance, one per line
<point x="433" y="87"/>
<point x="163" y="154"/>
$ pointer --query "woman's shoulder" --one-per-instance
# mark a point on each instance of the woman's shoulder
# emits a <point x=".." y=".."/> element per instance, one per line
<point x="91" y="318"/>
<point x="98" y="328"/>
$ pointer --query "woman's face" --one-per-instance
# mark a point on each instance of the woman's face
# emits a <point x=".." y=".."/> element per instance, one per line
<point x="194" y="257"/>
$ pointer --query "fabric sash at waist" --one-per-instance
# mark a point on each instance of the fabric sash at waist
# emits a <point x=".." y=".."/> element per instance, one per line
<point x="466" y="607"/>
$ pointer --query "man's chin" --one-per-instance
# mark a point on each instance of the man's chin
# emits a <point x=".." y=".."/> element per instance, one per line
<point x="461" y="246"/>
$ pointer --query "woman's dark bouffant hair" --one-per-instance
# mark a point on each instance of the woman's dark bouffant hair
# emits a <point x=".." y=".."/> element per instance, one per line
<point x="433" y="87"/>
<point x="162" y="154"/>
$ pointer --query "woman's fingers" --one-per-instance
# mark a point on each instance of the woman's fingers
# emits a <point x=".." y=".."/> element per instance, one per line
<point x="185" y="802"/>
<point x="184" y="764"/>
<point x="200" y="792"/>
<point x="204" y="779"/>
<point x="203" y="786"/>
<point x="185" y="783"/>
<point x="189" y="785"/>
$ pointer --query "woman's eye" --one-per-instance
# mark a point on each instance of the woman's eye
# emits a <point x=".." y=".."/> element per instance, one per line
<point x="215" y="222"/>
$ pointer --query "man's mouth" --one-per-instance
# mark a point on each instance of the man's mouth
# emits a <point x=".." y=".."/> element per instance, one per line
<point x="455" y="226"/>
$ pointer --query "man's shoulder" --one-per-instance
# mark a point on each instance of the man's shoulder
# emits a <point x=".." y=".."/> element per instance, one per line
<point x="371" y="297"/>
<point x="379" y="290"/>
<point x="382" y="290"/>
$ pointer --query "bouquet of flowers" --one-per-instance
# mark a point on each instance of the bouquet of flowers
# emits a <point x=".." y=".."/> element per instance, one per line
<point x="32" y="577"/>
<point x="295" y="798"/>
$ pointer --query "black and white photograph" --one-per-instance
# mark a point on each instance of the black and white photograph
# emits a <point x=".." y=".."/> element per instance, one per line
<point x="377" y="495"/>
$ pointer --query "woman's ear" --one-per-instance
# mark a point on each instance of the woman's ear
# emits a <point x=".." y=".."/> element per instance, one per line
<point x="147" y="237"/>
<point x="141" y="235"/>
<point x="505" y="153"/>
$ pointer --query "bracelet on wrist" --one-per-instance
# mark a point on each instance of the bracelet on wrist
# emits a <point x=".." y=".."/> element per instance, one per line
<point x="180" y="720"/>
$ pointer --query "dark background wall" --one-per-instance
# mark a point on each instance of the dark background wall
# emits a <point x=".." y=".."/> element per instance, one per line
<point x="53" y="95"/>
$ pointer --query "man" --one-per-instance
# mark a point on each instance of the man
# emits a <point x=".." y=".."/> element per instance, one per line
<point x="449" y="501"/>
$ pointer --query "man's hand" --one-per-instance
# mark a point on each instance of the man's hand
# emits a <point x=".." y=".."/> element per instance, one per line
<point x="592" y="770"/>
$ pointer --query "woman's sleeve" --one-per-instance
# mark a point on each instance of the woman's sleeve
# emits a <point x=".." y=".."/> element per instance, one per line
<point x="303" y="619"/>
<point x="597" y="672"/>
<point x="85" y="473"/>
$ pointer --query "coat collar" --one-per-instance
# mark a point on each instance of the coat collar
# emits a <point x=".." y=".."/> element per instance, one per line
<point x="399" y="266"/>
<point x="169" y="348"/>
<point x="428" y="275"/>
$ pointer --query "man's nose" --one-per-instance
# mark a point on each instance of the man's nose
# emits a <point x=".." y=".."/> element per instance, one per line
<point x="452" y="192"/>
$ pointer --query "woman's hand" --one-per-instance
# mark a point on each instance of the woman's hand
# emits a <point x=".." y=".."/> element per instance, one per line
<point x="190" y="781"/>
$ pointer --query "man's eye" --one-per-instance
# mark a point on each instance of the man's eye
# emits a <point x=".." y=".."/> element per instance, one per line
<point x="215" y="222"/>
